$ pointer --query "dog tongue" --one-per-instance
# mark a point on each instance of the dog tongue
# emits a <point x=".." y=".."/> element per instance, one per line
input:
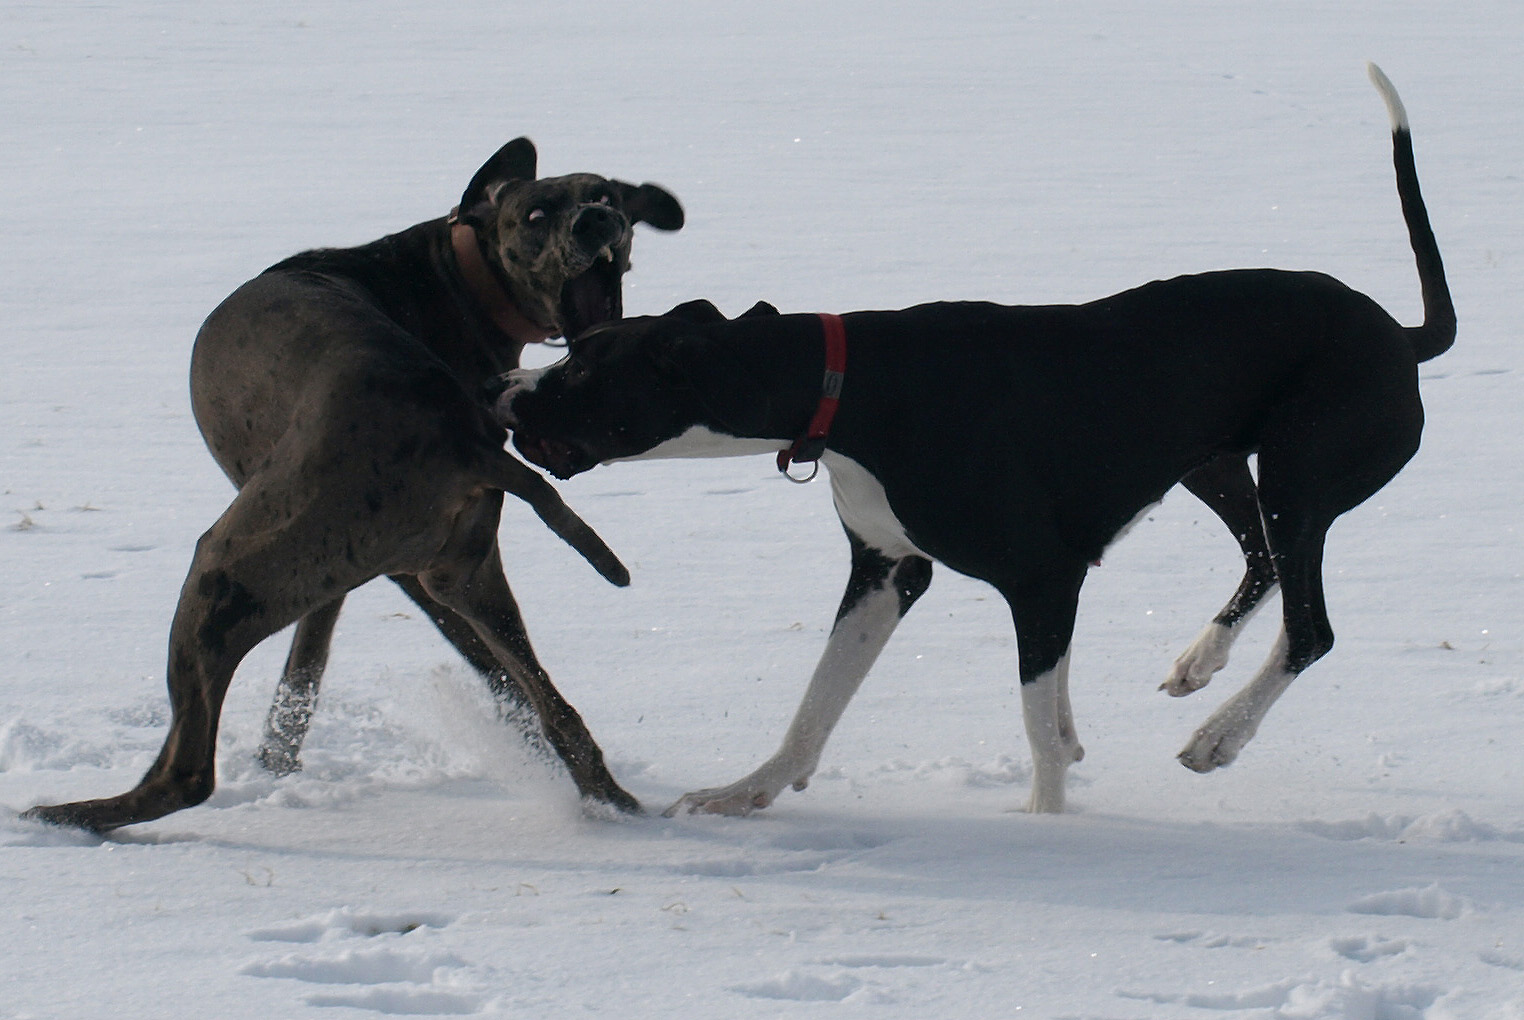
<point x="588" y="300"/>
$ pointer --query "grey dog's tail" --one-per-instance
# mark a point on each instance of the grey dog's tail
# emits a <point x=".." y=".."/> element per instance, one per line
<point x="1437" y="333"/>
<point x="501" y="470"/>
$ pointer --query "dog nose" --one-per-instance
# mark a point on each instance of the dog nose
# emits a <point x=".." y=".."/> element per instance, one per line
<point x="598" y="225"/>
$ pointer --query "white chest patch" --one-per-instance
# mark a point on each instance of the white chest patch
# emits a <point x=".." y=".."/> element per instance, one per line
<point x="700" y="441"/>
<point x="863" y="506"/>
<point x="859" y="498"/>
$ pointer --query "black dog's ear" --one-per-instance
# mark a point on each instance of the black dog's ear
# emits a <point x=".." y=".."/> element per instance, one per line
<point x="698" y="311"/>
<point x="651" y="204"/>
<point x="513" y="162"/>
<point x="704" y="368"/>
<point x="760" y="308"/>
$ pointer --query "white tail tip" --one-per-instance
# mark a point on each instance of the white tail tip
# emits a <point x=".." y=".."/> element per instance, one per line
<point x="1394" y="107"/>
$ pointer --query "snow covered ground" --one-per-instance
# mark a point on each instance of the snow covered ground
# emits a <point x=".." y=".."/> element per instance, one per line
<point x="1365" y="857"/>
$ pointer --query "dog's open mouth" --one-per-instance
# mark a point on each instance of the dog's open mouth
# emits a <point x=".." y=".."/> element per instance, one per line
<point x="559" y="458"/>
<point x="591" y="297"/>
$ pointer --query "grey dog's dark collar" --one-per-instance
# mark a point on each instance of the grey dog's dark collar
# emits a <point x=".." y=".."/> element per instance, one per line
<point x="487" y="290"/>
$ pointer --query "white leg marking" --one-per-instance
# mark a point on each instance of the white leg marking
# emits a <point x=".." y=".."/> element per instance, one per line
<point x="851" y="650"/>
<point x="1234" y="724"/>
<point x="1066" y="728"/>
<point x="1207" y="655"/>
<point x="853" y="647"/>
<point x="1050" y="731"/>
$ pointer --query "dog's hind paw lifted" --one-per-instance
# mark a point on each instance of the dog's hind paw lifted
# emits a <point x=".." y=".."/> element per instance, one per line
<point x="1233" y="725"/>
<point x="1212" y="747"/>
<point x="1194" y="669"/>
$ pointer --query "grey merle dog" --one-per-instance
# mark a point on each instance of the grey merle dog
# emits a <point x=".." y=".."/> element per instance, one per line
<point x="1013" y="444"/>
<point x="344" y="391"/>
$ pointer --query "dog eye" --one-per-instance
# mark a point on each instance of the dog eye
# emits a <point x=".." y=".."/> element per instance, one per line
<point x="535" y="215"/>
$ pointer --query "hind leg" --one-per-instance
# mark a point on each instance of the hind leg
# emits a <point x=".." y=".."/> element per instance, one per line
<point x="1306" y="636"/>
<point x="1314" y="466"/>
<point x="296" y="692"/>
<point x="513" y="703"/>
<point x="239" y="591"/>
<point x="1225" y="485"/>
<point x="467" y="578"/>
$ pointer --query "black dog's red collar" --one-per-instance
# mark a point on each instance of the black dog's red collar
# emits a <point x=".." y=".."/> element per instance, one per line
<point x="808" y="448"/>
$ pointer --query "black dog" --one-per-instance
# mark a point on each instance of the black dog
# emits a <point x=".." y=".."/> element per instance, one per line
<point x="344" y="391"/>
<point x="1014" y="444"/>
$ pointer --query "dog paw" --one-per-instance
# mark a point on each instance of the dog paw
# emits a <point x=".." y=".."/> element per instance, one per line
<point x="1049" y="779"/>
<point x="607" y="798"/>
<point x="1194" y="669"/>
<point x="62" y="816"/>
<point x="1049" y="803"/>
<point x="277" y="760"/>
<point x="744" y="796"/>
<point x="94" y="817"/>
<point x="736" y="802"/>
<point x="1180" y="683"/>
<point x="1212" y="748"/>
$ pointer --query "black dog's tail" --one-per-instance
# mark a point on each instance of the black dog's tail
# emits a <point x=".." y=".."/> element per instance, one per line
<point x="1437" y="333"/>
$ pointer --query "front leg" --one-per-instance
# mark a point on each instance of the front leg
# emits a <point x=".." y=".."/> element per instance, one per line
<point x="467" y="578"/>
<point x="879" y="593"/>
<point x="1049" y="721"/>
<point x="1043" y="610"/>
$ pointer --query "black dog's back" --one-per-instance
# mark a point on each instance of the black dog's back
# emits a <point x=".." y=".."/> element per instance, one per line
<point x="1101" y="388"/>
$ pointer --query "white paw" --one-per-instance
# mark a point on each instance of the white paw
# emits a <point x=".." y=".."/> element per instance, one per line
<point x="1046" y="801"/>
<point x="1207" y="655"/>
<point x="736" y="801"/>
<point x="742" y="797"/>
<point x="1214" y="746"/>
<point x="1050" y="778"/>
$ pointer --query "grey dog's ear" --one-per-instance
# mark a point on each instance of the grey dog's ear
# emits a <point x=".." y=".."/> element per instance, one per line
<point x="650" y="203"/>
<point x="513" y="162"/>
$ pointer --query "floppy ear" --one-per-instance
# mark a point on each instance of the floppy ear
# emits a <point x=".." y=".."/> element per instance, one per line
<point x="513" y="162"/>
<point x="760" y="308"/>
<point x="698" y="311"/>
<point x="651" y="204"/>
<point x="707" y="368"/>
